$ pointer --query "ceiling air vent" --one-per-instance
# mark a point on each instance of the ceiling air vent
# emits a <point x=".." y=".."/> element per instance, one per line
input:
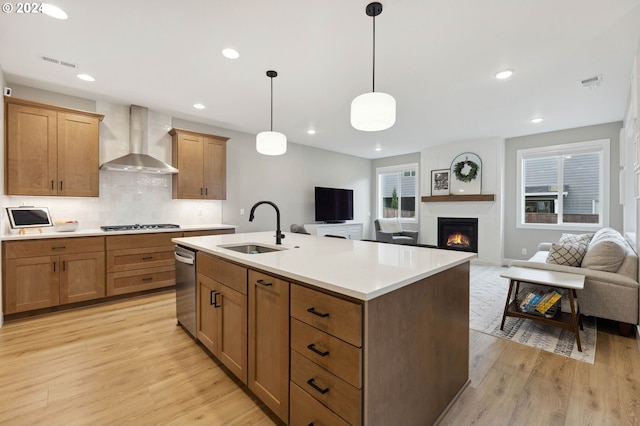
<point x="58" y="62"/>
<point x="592" y="82"/>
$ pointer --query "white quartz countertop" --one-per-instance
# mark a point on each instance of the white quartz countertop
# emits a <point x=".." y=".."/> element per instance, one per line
<point x="360" y="269"/>
<point x="49" y="232"/>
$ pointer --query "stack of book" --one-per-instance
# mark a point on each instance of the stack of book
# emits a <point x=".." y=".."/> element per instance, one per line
<point x="538" y="302"/>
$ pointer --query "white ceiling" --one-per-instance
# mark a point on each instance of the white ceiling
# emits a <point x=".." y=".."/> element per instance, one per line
<point x="437" y="58"/>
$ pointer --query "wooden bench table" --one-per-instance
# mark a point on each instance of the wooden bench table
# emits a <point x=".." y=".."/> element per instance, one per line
<point x="571" y="282"/>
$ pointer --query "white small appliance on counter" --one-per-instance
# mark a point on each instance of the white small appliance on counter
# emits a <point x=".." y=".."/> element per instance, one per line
<point x="28" y="217"/>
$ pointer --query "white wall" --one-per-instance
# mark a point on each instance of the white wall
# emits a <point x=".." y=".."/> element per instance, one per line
<point x="287" y="180"/>
<point x="518" y="238"/>
<point x="488" y="213"/>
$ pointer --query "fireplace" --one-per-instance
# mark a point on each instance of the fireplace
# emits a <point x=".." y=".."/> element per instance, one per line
<point x="458" y="233"/>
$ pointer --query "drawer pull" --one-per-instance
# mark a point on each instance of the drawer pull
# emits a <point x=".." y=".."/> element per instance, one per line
<point x="311" y="382"/>
<point x="58" y="247"/>
<point x="262" y="282"/>
<point x="147" y="257"/>
<point x="314" y="312"/>
<point x="148" y="279"/>
<point x="312" y="347"/>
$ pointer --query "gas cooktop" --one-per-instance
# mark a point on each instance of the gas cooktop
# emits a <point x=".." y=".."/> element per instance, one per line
<point x="137" y="227"/>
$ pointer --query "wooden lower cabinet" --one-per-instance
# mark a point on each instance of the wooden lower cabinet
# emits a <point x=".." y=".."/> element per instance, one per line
<point x="50" y="272"/>
<point x="305" y="410"/>
<point x="140" y="262"/>
<point x="30" y="283"/>
<point x="269" y="341"/>
<point x="81" y="277"/>
<point x="222" y="324"/>
<point x="326" y="356"/>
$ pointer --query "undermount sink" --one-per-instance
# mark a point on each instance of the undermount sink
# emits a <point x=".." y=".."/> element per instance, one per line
<point x="251" y="248"/>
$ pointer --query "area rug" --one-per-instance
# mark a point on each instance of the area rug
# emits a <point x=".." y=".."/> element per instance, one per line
<point x="488" y="293"/>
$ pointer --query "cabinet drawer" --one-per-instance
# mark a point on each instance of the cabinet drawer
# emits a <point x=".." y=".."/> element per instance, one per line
<point x="140" y="258"/>
<point x="306" y="410"/>
<point x="209" y="232"/>
<point x="336" y="316"/>
<point x="52" y="246"/>
<point x="340" y="358"/>
<point x="130" y="241"/>
<point x="224" y="272"/>
<point x="327" y="388"/>
<point x="140" y="279"/>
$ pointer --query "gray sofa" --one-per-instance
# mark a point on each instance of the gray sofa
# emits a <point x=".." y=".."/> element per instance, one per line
<point x="610" y="267"/>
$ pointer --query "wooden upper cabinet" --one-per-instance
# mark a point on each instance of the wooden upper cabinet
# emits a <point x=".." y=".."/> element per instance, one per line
<point x="50" y="150"/>
<point x="78" y="155"/>
<point x="201" y="160"/>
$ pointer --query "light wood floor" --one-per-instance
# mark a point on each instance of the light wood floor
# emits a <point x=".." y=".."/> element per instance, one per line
<point x="128" y="363"/>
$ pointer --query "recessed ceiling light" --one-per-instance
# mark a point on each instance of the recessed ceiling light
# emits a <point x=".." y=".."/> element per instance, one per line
<point x="311" y="132"/>
<point x="198" y="106"/>
<point x="85" y="77"/>
<point x="503" y="74"/>
<point x="378" y="148"/>
<point x="536" y="120"/>
<point x="230" y="53"/>
<point x="53" y="11"/>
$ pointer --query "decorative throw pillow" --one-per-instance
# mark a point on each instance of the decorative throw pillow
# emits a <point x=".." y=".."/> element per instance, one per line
<point x="606" y="251"/>
<point x="567" y="254"/>
<point x="575" y="238"/>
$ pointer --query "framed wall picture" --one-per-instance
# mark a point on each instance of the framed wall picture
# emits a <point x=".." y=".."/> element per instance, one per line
<point x="440" y="182"/>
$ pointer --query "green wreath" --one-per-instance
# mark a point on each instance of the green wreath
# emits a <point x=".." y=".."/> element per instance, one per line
<point x="473" y="173"/>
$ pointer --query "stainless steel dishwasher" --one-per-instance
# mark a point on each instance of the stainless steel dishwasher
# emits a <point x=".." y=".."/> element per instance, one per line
<point x="186" y="288"/>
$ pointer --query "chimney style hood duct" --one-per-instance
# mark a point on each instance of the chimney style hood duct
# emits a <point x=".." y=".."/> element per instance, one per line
<point x="136" y="161"/>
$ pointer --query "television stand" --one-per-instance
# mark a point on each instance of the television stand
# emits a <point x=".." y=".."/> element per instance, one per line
<point x="351" y="230"/>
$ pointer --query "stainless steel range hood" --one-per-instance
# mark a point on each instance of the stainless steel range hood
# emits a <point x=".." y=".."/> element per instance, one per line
<point x="136" y="160"/>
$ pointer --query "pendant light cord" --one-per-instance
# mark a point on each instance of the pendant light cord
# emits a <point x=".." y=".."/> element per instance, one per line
<point x="271" y="103"/>
<point x="373" y="85"/>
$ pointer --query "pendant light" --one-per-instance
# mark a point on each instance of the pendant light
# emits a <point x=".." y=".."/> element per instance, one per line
<point x="373" y="111"/>
<point x="271" y="143"/>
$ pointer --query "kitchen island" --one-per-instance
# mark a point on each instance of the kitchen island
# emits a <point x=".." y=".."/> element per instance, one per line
<point x="374" y="333"/>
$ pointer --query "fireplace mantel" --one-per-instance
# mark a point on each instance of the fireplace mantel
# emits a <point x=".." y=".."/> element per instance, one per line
<point x="454" y="198"/>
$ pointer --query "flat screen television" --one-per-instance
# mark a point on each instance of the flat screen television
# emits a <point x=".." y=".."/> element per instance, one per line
<point x="334" y="205"/>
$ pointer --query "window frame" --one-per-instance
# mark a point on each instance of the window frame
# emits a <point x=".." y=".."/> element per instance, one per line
<point x="401" y="168"/>
<point x="598" y="145"/>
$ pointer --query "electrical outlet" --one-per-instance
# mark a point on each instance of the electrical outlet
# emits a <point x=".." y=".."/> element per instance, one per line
<point x="241" y="212"/>
<point x="524" y="251"/>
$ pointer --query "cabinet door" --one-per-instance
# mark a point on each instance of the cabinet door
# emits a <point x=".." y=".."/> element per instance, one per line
<point x="188" y="158"/>
<point x="82" y="277"/>
<point x="78" y="155"/>
<point x="31" y="148"/>
<point x="355" y="232"/>
<point x="215" y="169"/>
<point x="207" y="316"/>
<point x="269" y="341"/>
<point x="232" y="328"/>
<point x="31" y="283"/>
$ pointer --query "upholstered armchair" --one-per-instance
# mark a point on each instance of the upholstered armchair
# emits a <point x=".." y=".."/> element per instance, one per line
<point x="390" y="231"/>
